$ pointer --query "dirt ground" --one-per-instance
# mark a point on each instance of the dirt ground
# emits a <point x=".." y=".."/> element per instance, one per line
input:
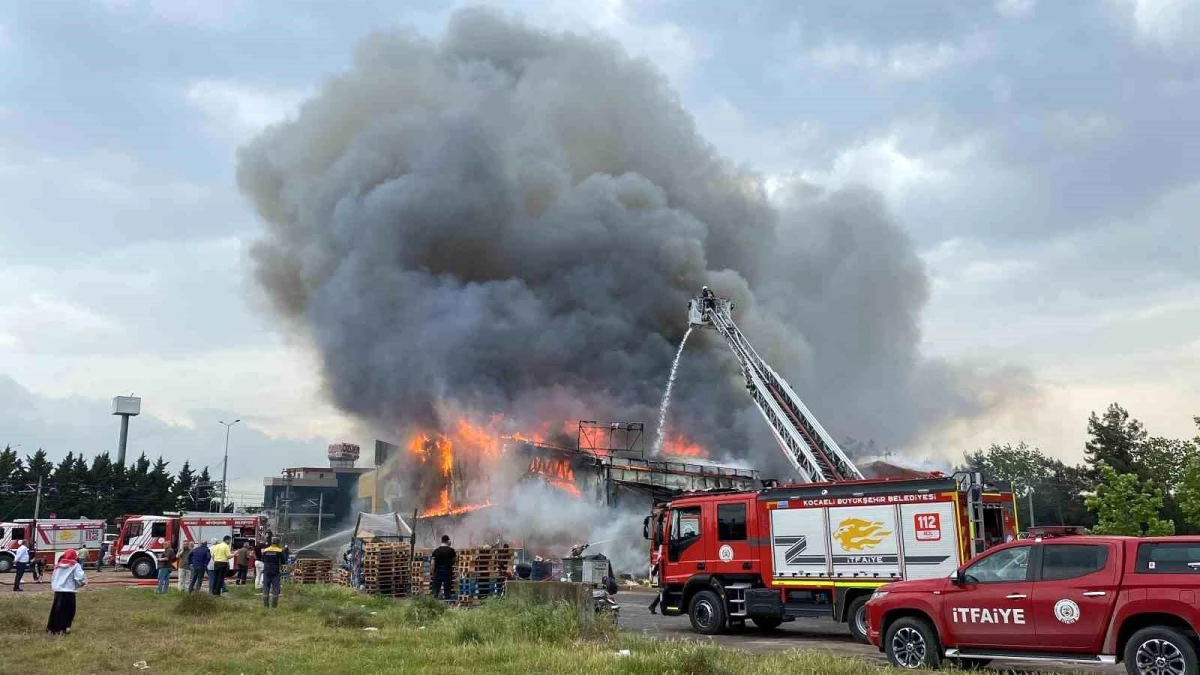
<point x="106" y="578"/>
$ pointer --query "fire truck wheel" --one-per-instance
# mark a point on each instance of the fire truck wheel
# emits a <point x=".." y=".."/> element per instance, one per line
<point x="6" y="563"/>
<point x="912" y="644"/>
<point x="143" y="567"/>
<point x="767" y="623"/>
<point x="707" y="613"/>
<point x="856" y="618"/>
<point x="1159" y="649"/>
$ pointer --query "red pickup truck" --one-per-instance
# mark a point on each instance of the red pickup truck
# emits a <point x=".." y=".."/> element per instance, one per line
<point x="1086" y="599"/>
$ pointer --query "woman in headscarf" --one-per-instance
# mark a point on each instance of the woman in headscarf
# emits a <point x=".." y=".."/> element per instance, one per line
<point x="68" y="578"/>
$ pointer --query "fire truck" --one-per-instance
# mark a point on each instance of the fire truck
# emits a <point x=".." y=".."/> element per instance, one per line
<point x="143" y="539"/>
<point x="50" y="537"/>
<point x="822" y="545"/>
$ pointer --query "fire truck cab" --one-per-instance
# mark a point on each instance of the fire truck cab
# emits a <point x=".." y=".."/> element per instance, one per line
<point x="142" y="541"/>
<point x="817" y="549"/>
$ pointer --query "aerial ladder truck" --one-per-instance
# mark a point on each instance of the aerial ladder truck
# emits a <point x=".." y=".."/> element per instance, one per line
<point x="809" y="448"/>
<point x="817" y="546"/>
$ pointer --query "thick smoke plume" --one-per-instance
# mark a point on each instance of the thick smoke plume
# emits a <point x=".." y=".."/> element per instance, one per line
<point x="508" y="220"/>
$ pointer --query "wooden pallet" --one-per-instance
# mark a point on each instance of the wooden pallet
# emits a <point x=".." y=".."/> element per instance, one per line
<point x="311" y="571"/>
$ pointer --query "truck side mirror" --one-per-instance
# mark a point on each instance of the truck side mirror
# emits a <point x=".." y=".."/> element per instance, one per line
<point x="646" y="527"/>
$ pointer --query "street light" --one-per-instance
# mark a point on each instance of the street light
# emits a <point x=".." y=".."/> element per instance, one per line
<point x="225" y="466"/>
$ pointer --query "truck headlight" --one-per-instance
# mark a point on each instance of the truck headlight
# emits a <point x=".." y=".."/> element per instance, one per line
<point x="879" y="595"/>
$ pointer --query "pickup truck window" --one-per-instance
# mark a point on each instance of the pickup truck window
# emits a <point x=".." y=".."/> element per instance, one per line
<point x="1008" y="565"/>
<point x="1069" y="561"/>
<point x="1164" y="558"/>
<point x="731" y="522"/>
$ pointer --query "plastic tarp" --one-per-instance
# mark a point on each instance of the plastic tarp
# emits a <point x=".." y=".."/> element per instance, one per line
<point x="381" y="526"/>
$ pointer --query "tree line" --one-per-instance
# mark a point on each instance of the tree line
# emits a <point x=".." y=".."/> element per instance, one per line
<point x="1129" y="483"/>
<point x="76" y="488"/>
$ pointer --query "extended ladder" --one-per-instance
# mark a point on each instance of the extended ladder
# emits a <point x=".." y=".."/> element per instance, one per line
<point x="811" y="450"/>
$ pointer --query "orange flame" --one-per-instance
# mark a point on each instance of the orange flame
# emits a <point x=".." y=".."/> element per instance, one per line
<point x="558" y="473"/>
<point x="445" y="508"/>
<point x="552" y="468"/>
<point x="679" y="446"/>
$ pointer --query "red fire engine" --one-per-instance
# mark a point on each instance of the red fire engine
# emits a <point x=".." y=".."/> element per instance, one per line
<point x="49" y="537"/>
<point x="143" y="539"/>
<point x="819" y="547"/>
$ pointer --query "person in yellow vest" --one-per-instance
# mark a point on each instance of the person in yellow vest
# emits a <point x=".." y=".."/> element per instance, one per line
<point x="221" y="554"/>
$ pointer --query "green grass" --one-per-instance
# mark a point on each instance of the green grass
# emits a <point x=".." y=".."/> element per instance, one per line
<point x="320" y="629"/>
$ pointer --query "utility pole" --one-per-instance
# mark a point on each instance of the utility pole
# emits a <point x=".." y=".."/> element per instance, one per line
<point x="1032" y="523"/>
<point x="320" y="512"/>
<point x="37" y="501"/>
<point x="225" y="465"/>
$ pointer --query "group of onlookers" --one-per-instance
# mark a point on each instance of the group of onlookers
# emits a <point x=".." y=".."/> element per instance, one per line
<point x="214" y="559"/>
<point x="217" y="561"/>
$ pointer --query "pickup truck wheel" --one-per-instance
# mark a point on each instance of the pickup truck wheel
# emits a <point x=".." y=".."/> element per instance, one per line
<point x="1159" y="650"/>
<point x="912" y="644"/>
<point x="707" y="613"/>
<point x="143" y="567"/>
<point x="856" y="618"/>
<point x="767" y="623"/>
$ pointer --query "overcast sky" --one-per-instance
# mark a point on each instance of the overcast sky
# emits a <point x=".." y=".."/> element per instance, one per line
<point x="1044" y="156"/>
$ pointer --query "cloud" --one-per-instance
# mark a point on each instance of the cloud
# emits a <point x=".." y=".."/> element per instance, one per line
<point x="236" y="111"/>
<point x="913" y="60"/>
<point x="1014" y="9"/>
<point x="84" y="425"/>
<point x="1170" y="24"/>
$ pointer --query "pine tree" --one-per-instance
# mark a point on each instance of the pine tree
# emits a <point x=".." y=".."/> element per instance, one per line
<point x="103" y="484"/>
<point x="63" y="499"/>
<point x="1115" y="439"/>
<point x="38" y="466"/>
<point x="203" y="492"/>
<point x="160" y="487"/>
<point x="181" y="491"/>
<point x="10" y="463"/>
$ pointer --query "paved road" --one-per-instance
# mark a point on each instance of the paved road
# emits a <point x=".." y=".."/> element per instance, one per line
<point x="817" y="634"/>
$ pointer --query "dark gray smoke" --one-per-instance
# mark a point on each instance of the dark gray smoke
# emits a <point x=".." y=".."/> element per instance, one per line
<point x="509" y="220"/>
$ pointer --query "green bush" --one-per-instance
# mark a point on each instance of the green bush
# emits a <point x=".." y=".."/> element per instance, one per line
<point x="200" y="604"/>
<point x="420" y="611"/>
<point x="345" y="617"/>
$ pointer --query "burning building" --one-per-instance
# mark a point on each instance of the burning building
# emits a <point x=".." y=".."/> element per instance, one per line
<point x="471" y="469"/>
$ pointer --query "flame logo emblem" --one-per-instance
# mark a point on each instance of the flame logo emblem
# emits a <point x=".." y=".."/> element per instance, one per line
<point x="856" y="534"/>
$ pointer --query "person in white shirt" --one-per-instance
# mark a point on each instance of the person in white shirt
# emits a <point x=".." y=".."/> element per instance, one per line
<point x="20" y="562"/>
<point x="67" y="580"/>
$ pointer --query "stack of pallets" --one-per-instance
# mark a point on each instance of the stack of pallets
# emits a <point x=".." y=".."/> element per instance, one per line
<point x="312" y="571"/>
<point x="387" y="569"/>
<point x="422" y="571"/>
<point x="341" y="576"/>
<point x="481" y="572"/>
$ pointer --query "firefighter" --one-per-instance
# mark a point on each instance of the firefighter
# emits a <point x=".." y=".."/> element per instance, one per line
<point x="443" y="567"/>
<point x="273" y="560"/>
<point x="709" y="299"/>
